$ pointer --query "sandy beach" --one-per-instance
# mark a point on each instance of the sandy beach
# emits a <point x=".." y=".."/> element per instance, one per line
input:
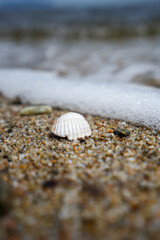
<point x="102" y="187"/>
<point x="99" y="58"/>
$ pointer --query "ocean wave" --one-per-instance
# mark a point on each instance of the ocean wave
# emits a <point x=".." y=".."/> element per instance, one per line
<point x="135" y="60"/>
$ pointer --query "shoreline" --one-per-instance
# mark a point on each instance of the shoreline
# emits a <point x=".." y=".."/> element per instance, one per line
<point x="103" y="187"/>
<point x="125" y="101"/>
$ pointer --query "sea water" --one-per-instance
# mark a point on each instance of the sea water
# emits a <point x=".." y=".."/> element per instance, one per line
<point x="102" y="61"/>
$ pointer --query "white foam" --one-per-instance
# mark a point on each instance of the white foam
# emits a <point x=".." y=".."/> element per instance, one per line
<point x="129" y="102"/>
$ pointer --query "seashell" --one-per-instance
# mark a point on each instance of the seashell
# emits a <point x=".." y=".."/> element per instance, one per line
<point x="71" y="125"/>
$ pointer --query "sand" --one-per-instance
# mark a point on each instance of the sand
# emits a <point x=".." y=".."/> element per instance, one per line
<point x="102" y="187"/>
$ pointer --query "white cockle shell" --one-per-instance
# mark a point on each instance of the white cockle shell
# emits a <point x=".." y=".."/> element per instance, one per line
<point x="71" y="125"/>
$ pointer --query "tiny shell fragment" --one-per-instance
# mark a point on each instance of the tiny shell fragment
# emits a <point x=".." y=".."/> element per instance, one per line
<point x="71" y="125"/>
<point x="33" y="110"/>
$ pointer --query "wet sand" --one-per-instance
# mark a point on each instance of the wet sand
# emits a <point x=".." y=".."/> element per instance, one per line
<point x="103" y="187"/>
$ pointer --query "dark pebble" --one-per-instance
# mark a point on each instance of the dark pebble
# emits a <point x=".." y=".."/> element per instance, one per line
<point x="16" y="101"/>
<point x="121" y="133"/>
<point x="49" y="184"/>
<point x="10" y="130"/>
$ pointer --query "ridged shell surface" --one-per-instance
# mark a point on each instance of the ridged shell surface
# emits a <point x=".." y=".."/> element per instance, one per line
<point x="71" y="125"/>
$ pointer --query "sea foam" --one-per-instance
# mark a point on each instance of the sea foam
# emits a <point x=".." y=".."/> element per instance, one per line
<point x="126" y="101"/>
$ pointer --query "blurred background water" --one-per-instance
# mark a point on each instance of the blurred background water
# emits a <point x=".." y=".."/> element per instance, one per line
<point x="109" y="40"/>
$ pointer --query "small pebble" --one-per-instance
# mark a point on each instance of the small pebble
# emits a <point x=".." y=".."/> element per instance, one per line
<point x="33" y="110"/>
<point x="121" y="133"/>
